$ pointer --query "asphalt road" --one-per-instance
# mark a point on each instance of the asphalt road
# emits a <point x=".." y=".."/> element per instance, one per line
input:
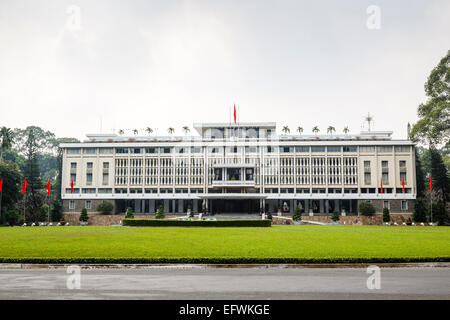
<point x="225" y="283"/>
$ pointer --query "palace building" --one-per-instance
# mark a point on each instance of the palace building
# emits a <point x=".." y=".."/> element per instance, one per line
<point x="240" y="168"/>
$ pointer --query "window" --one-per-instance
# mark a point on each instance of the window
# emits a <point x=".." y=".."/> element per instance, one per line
<point x="249" y="174"/>
<point x="89" y="150"/>
<point x="385" y="177"/>
<point x="165" y="150"/>
<point x="105" y="150"/>
<point x="72" y="204"/>
<point x="105" y="165"/>
<point x="89" y="178"/>
<point x="73" y="150"/>
<point x="234" y="149"/>
<point x="402" y="148"/>
<point x="215" y="149"/>
<point x="73" y="177"/>
<point x="366" y="148"/>
<point x="73" y="165"/>
<point x="404" y="205"/>
<point x="151" y="150"/>
<point x="88" y="204"/>
<point x="317" y="149"/>
<point x="402" y="164"/>
<point x="286" y="149"/>
<point x="403" y="177"/>
<point x="88" y="190"/>
<point x="105" y="178"/>
<point x="302" y="149"/>
<point x="350" y="148"/>
<point x="384" y="164"/>
<point x="251" y="149"/>
<point x="384" y="148"/>
<point x="334" y="148"/>
<point x="104" y="190"/>
<point x="270" y="149"/>
<point x="386" y="204"/>
<point x="367" y="164"/>
<point x="181" y="150"/>
<point x="121" y="150"/>
<point x="135" y="150"/>
<point x="367" y="177"/>
<point x="89" y="165"/>
<point x="196" y="149"/>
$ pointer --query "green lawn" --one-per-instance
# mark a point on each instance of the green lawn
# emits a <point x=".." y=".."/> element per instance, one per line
<point x="278" y="244"/>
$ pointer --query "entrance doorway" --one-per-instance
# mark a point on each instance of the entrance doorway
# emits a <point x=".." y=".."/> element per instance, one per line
<point x="217" y="206"/>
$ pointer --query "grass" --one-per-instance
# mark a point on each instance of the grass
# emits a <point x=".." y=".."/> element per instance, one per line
<point x="278" y="244"/>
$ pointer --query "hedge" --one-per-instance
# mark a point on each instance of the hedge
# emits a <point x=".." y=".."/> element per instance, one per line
<point x="197" y="223"/>
<point x="220" y="260"/>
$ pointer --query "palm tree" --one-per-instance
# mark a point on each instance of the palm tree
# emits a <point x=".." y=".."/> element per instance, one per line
<point x="121" y="132"/>
<point x="299" y="130"/>
<point x="286" y="130"/>
<point x="186" y="129"/>
<point x="135" y="131"/>
<point x="315" y="129"/>
<point x="346" y="130"/>
<point x="171" y="130"/>
<point x="149" y="130"/>
<point x="7" y="139"/>
<point x="331" y="129"/>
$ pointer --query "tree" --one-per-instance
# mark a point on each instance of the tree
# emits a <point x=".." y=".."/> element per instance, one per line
<point x="171" y="130"/>
<point x="439" y="174"/>
<point x="186" y="130"/>
<point x="44" y="213"/>
<point x="315" y="129"/>
<point x="300" y="130"/>
<point x="149" y="130"/>
<point x="84" y="215"/>
<point x="420" y="176"/>
<point x="12" y="183"/>
<point x="331" y="129"/>
<point x="433" y="126"/>
<point x="420" y="210"/>
<point x="130" y="213"/>
<point x="121" y="132"/>
<point x="346" y="130"/>
<point x="160" y="212"/>
<point x="7" y="139"/>
<point x="335" y="216"/>
<point x="366" y="208"/>
<point x="286" y="130"/>
<point x="105" y="207"/>
<point x="297" y="216"/>
<point x="12" y="216"/>
<point x="386" y="216"/>
<point x="135" y="132"/>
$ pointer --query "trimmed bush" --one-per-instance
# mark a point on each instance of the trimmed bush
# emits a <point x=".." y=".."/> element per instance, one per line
<point x="366" y="208"/>
<point x="83" y="215"/>
<point x="105" y="207"/>
<point x="386" y="216"/>
<point x="12" y="216"/>
<point x="160" y="213"/>
<point x="130" y="213"/>
<point x="196" y="223"/>
<point x="297" y="216"/>
<point x="335" y="216"/>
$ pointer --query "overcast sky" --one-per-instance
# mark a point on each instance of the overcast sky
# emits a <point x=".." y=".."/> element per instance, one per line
<point x="135" y="64"/>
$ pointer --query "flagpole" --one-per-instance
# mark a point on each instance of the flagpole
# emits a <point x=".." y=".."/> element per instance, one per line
<point x="24" y="201"/>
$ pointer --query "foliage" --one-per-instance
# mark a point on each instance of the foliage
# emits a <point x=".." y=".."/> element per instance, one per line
<point x="43" y="213"/>
<point x="441" y="213"/>
<point x="269" y="215"/>
<point x="129" y="214"/>
<point x="297" y="216"/>
<point x="420" y="176"/>
<point x="161" y="222"/>
<point x="366" y="208"/>
<point x="12" y="216"/>
<point x="420" y="210"/>
<point x="12" y="182"/>
<point x="160" y="212"/>
<point x="84" y="215"/>
<point x="56" y="211"/>
<point x="105" y="207"/>
<point x="386" y="215"/>
<point x="6" y="140"/>
<point x="439" y="174"/>
<point x="433" y="126"/>
<point x="294" y="244"/>
<point x="335" y="216"/>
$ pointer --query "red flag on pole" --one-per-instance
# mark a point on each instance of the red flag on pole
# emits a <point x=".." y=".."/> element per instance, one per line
<point x="381" y="180"/>
<point x="431" y="184"/>
<point x="24" y="186"/>
<point x="235" y="114"/>
<point x="1" y="184"/>
<point x="71" y="186"/>
<point x="403" y="184"/>
<point x="48" y="187"/>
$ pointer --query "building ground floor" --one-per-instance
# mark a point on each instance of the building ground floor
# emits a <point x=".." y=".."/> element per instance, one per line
<point x="219" y="206"/>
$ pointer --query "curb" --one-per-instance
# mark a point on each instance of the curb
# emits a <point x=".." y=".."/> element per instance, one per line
<point x="15" y="266"/>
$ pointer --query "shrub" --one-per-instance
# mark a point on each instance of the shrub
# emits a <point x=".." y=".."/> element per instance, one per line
<point x="420" y="210"/>
<point x="105" y="207"/>
<point x="130" y="213"/>
<point x="43" y="213"/>
<point x="83" y="215"/>
<point x="269" y="215"/>
<point x="197" y="223"/>
<point x="297" y="216"/>
<point x="335" y="216"/>
<point x="56" y="212"/>
<point x="160" y="213"/>
<point x="366" y="208"/>
<point x="386" y="216"/>
<point x="12" y="216"/>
